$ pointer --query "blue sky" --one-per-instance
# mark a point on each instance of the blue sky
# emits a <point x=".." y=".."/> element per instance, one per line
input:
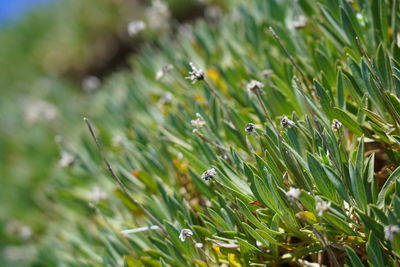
<point x="10" y="10"/>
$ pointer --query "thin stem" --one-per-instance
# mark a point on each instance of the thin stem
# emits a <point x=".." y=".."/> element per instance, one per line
<point x="268" y="117"/>
<point x="206" y="254"/>
<point x="225" y="107"/>
<point x="207" y="140"/>
<point x="322" y="237"/>
<point x="276" y="37"/>
<point x="115" y="177"/>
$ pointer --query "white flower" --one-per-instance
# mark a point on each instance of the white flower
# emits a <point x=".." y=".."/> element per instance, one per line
<point x="97" y="195"/>
<point x="21" y="230"/>
<point x="212" y="12"/>
<point x="322" y="206"/>
<point x="117" y="140"/>
<point x="266" y="73"/>
<point x="199" y="122"/>
<point x="195" y="74"/>
<point x="293" y="194"/>
<point x="166" y="98"/>
<point x="158" y="15"/>
<point x="209" y="174"/>
<point x="336" y="125"/>
<point x="391" y="231"/>
<point x="360" y="19"/>
<point x="38" y="110"/>
<point x="135" y="27"/>
<point x="300" y="22"/>
<point x="250" y="127"/>
<point x="165" y="69"/>
<point x="185" y="233"/>
<point x="90" y="83"/>
<point x="66" y="160"/>
<point x="287" y="123"/>
<point x="254" y="87"/>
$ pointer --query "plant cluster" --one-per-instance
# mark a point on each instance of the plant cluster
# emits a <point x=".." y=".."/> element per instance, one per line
<point x="282" y="146"/>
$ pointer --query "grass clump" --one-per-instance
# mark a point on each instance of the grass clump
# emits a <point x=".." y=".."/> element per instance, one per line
<point x="282" y="147"/>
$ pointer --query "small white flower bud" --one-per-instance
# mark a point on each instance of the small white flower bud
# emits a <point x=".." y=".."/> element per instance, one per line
<point x="209" y="174"/>
<point x="199" y="122"/>
<point x="185" y="233"/>
<point x="287" y="123"/>
<point x="266" y="73"/>
<point x="90" y="84"/>
<point x="250" y="128"/>
<point x="293" y="194"/>
<point x="254" y="87"/>
<point x="97" y="195"/>
<point x="135" y="27"/>
<point x="66" y="160"/>
<point x="390" y="232"/>
<point x="164" y="70"/>
<point x="322" y="206"/>
<point x="336" y="125"/>
<point x="195" y="74"/>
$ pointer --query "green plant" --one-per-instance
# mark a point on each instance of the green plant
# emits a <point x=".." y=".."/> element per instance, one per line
<point x="301" y="167"/>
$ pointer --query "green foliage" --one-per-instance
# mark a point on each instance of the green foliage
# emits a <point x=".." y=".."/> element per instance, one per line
<point x="340" y="64"/>
<point x="242" y="216"/>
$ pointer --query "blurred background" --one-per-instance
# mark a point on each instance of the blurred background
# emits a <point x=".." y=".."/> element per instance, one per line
<point x="55" y="55"/>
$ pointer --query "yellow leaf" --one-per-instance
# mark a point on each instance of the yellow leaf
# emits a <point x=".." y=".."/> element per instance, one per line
<point x="213" y="74"/>
<point x="233" y="261"/>
<point x="201" y="263"/>
<point x="216" y="248"/>
<point x="130" y="261"/>
<point x="307" y="215"/>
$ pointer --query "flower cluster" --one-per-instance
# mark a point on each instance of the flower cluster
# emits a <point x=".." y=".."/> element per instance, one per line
<point x="164" y="70"/>
<point x="158" y="15"/>
<point x="391" y="231"/>
<point x="254" y="87"/>
<point x="185" y="233"/>
<point x="287" y="123"/>
<point x="196" y="74"/>
<point x="250" y="127"/>
<point x="293" y="194"/>
<point x="322" y="206"/>
<point x="199" y="122"/>
<point x="336" y="125"/>
<point x="66" y="160"/>
<point x="135" y="27"/>
<point x="209" y="174"/>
